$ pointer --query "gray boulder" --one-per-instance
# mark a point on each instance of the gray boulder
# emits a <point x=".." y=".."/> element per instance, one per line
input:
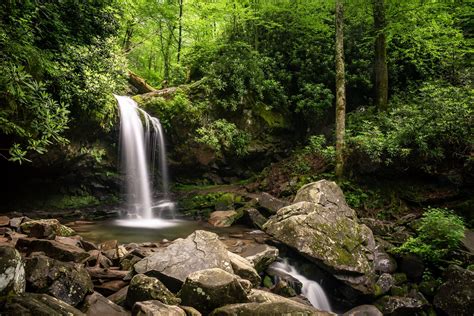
<point x="270" y="203"/>
<point x="29" y="304"/>
<point x="256" y="217"/>
<point x="66" y="281"/>
<point x="322" y="227"/>
<point x="156" y="308"/>
<point x="144" y="288"/>
<point x="208" y="289"/>
<point x="384" y="284"/>
<point x="268" y="309"/>
<point x="364" y="310"/>
<point x="12" y="272"/>
<point x="200" y="250"/>
<point x="260" y="256"/>
<point x="456" y="295"/>
<point x="96" y="304"/>
<point x="401" y="305"/>
<point x="244" y="269"/>
<point x="384" y="263"/>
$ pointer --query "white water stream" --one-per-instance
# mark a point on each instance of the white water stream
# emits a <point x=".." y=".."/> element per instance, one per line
<point x="141" y="137"/>
<point x="311" y="289"/>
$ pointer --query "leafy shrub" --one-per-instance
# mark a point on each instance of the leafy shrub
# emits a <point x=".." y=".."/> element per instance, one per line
<point x="317" y="144"/>
<point x="439" y="233"/>
<point x="224" y="137"/>
<point x="423" y="128"/>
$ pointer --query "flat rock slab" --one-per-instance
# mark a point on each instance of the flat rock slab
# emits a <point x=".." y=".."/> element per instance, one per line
<point x="156" y="308"/>
<point x="52" y="249"/>
<point x="268" y="309"/>
<point x="97" y="305"/>
<point x="39" y="304"/>
<point x="200" y="250"/>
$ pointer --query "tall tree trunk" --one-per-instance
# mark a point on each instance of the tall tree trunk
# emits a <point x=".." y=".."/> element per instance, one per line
<point x="180" y="29"/>
<point x="340" y="90"/>
<point x="380" y="67"/>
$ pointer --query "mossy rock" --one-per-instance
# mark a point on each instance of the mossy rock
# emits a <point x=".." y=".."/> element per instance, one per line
<point x="46" y="228"/>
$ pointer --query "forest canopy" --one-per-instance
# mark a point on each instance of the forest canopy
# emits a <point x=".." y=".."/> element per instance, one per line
<point x="62" y="61"/>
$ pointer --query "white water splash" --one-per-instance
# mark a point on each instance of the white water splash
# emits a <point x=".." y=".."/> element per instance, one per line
<point x="138" y="147"/>
<point x="311" y="289"/>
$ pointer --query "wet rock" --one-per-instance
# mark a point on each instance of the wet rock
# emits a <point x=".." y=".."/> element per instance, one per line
<point x="378" y="227"/>
<point x="398" y="305"/>
<point x="12" y="272"/>
<point x="280" y="275"/>
<point x="119" y="296"/>
<point x="200" y="250"/>
<point x="144" y="288"/>
<point x="96" y="304"/>
<point x="87" y="245"/>
<point x="270" y="203"/>
<point x="364" y="310"/>
<point x="128" y="261"/>
<point x="456" y="295"/>
<point x="4" y="221"/>
<point x="156" y="308"/>
<point x="97" y="258"/>
<point x="468" y="240"/>
<point x="108" y="245"/>
<point x="115" y="254"/>
<point x="284" y="289"/>
<point x="384" y="263"/>
<point x="69" y="241"/>
<point x="208" y="289"/>
<point x="323" y="228"/>
<point x="326" y="194"/>
<point x="46" y="228"/>
<point x="52" y="249"/>
<point x="222" y="218"/>
<point x="412" y="266"/>
<point x="384" y="284"/>
<point x="257" y="219"/>
<point x="15" y="222"/>
<point x="244" y="269"/>
<point x="269" y="308"/>
<point x="260" y="256"/>
<point x="39" y="304"/>
<point x="66" y="281"/>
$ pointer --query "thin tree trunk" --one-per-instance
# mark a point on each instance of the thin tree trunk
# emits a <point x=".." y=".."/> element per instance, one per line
<point x="180" y="29"/>
<point x="380" y="67"/>
<point x="340" y="90"/>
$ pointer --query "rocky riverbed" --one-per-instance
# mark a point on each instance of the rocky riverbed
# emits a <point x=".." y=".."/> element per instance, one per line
<point x="46" y="268"/>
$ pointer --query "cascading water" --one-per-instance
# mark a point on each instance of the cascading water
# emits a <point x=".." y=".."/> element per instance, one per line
<point x="311" y="289"/>
<point x="138" y="147"/>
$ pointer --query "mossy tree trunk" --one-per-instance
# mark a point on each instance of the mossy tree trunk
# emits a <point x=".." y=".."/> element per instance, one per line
<point x="340" y="90"/>
<point x="380" y="63"/>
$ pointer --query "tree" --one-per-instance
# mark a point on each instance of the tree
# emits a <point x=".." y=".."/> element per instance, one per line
<point x="380" y="62"/>
<point x="340" y="89"/>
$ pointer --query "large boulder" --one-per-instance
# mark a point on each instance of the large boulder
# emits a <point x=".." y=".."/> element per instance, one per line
<point x="322" y="227"/>
<point x="66" y="281"/>
<point x="12" y="272"/>
<point x="96" y="304"/>
<point x="208" y="289"/>
<point x="52" y="249"/>
<point x="268" y="309"/>
<point x="244" y="269"/>
<point x="456" y="295"/>
<point x="401" y="305"/>
<point x="364" y="310"/>
<point x="200" y="250"/>
<point x="144" y="288"/>
<point x="39" y="305"/>
<point x="46" y="228"/>
<point x="156" y="308"/>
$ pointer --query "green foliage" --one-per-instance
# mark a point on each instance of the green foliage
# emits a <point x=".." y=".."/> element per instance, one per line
<point x="224" y="137"/>
<point x="424" y="128"/>
<point x="59" y="69"/>
<point x="439" y="233"/>
<point x="317" y="145"/>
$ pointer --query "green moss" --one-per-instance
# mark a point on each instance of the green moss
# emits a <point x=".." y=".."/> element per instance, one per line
<point x="267" y="282"/>
<point x="400" y="278"/>
<point x="273" y="119"/>
<point x="71" y="201"/>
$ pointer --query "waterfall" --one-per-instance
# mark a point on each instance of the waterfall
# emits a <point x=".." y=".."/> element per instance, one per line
<point x="141" y="137"/>
<point x="311" y="289"/>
